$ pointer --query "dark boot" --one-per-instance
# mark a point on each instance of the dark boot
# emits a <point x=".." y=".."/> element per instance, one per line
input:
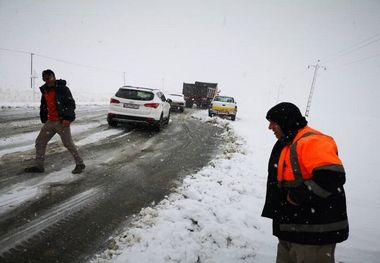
<point x="34" y="169"/>
<point x="78" y="168"/>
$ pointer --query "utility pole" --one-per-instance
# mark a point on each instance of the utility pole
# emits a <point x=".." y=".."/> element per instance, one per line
<point x="316" y="67"/>
<point x="32" y="78"/>
<point x="31" y="70"/>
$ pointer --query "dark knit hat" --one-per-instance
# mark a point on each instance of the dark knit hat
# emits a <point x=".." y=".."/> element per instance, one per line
<point x="288" y="116"/>
<point x="48" y="72"/>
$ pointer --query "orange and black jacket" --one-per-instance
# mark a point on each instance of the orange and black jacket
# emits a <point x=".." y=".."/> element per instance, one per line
<point x="65" y="103"/>
<point x="309" y="172"/>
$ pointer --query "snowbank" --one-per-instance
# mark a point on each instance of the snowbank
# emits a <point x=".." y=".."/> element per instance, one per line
<point x="212" y="217"/>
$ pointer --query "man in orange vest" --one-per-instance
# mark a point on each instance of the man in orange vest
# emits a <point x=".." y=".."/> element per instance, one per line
<point x="305" y="195"/>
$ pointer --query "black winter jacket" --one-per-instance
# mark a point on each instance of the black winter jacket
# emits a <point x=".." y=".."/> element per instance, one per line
<point x="64" y="101"/>
<point x="312" y="209"/>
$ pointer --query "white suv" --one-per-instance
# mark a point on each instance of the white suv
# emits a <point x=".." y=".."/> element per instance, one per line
<point x="177" y="101"/>
<point x="139" y="105"/>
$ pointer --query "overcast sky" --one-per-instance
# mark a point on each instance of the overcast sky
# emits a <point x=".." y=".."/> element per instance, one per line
<point x="257" y="51"/>
<point x="260" y="47"/>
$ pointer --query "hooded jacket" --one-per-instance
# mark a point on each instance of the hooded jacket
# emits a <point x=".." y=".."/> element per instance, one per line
<point x="318" y="219"/>
<point x="64" y="101"/>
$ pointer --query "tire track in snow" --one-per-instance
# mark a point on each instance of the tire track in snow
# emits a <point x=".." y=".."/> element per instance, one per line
<point x="25" y="142"/>
<point x="131" y="169"/>
<point x="21" y="236"/>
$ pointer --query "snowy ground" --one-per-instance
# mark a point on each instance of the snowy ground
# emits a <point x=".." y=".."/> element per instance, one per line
<point x="212" y="217"/>
<point x="15" y="195"/>
<point x="215" y="215"/>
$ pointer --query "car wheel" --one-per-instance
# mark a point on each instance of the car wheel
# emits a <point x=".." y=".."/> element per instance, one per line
<point x="210" y="114"/>
<point x="112" y="123"/>
<point x="160" y="123"/>
<point x="167" y="119"/>
<point x="233" y="117"/>
<point x="189" y="104"/>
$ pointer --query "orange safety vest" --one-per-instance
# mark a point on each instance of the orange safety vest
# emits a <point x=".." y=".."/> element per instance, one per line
<point x="310" y="151"/>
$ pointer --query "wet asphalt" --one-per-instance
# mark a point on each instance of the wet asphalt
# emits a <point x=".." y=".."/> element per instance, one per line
<point x="72" y="219"/>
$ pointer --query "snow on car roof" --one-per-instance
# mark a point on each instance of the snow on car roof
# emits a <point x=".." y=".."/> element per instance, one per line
<point x="132" y="87"/>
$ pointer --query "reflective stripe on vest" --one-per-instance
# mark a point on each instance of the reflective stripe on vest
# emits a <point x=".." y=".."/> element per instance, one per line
<point x="315" y="228"/>
<point x="297" y="172"/>
<point x="316" y="189"/>
<point x="298" y="179"/>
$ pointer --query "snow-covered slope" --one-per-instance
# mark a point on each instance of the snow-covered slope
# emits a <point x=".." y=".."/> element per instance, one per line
<point x="215" y="215"/>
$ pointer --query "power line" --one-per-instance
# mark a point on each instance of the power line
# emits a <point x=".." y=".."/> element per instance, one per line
<point x="61" y="60"/>
<point x="359" y="60"/>
<point x="357" y="46"/>
<point x="77" y="64"/>
<point x="16" y="51"/>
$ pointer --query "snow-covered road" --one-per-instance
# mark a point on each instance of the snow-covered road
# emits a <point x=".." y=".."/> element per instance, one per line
<point x="212" y="216"/>
<point x="127" y="169"/>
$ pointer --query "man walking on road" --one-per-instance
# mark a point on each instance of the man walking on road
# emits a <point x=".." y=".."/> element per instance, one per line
<point x="57" y="111"/>
<point x="305" y="195"/>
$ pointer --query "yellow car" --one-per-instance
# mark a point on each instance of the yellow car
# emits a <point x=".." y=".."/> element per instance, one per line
<point x="223" y="106"/>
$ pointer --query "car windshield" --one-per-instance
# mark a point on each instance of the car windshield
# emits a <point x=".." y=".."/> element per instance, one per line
<point x="224" y="99"/>
<point x="134" y="94"/>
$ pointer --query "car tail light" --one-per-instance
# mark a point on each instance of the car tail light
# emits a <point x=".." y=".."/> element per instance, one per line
<point x="114" y="100"/>
<point x="152" y="105"/>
